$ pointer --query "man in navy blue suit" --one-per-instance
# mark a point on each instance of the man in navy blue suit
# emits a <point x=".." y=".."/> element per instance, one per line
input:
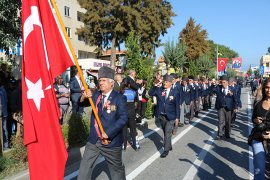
<point x="185" y="100"/>
<point x="113" y="113"/>
<point x="226" y="102"/>
<point x="168" y="110"/>
<point x="76" y="88"/>
<point x="237" y="89"/>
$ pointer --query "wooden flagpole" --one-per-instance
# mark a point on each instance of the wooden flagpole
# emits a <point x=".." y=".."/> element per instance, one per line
<point x="78" y="67"/>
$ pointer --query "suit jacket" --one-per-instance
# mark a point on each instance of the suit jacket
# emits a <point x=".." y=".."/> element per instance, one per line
<point x="75" y="90"/>
<point x="205" y="90"/>
<point x="237" y="89"/>
<point x="229" y="102"/>
<point x="112" y="121"/>
<point x="185" y="96"/>
<point x="116" y="86"/>
<point x="170" y="106"/>
<point x="133" y="84"/>
<point x="197" y="90"/>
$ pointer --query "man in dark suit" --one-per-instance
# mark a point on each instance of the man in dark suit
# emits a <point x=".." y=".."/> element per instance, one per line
<point x="168" y="110"/>
<point x="226" y="102"/>
<point x="197" y="96"/>
<point x="192" y="95"/>
<point x="113" y="113"/>
<point x="132" y="81"/>
<point x="76" y="88"/>
<point x="237" y="89"/>
<point x="117" y="82"/>
<point x="175" y="83"/>
<point x="205" y="94"/>
<point x="185" y="100"/>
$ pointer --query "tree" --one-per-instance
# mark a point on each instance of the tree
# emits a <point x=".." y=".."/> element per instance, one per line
<point x="195" y="38"/>
<point x="231" y="72"/>
<point x="223" y="51"/>
<point x="268" y="50"/>
<point x="193" y="69"/>
<point x="205" y="65"/>
<point x="143" y="67"/>
<point x="249" y="71"/>
<point x="10" y="20"/>
<point x="108" y="22"/>
<point x="156" y="17"/>
<point x="257" y="73"/>
<point x="174" y="55"/>
<point x="136" y="61"/>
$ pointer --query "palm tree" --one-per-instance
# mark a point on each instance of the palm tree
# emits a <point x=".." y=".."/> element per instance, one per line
<point x="174" y="55"/>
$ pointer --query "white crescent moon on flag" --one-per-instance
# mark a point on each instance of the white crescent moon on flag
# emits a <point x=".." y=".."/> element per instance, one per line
<point x="222" y="62"/>
<point x="28" y="27"/>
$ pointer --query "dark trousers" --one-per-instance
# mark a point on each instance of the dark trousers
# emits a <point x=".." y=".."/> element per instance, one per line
<point x="197" y="105"/>
<point x="112" y="155"/>
<point x="233" y="117"/>
<point x="205" y="102"/>
<point x="167" y="127"/>
<point x="141" y="110"/>
<point x="209" y="102"/>
<point x="132" y="127"/>
<point x="224" y="121"/>
<point x="192" y="109"/>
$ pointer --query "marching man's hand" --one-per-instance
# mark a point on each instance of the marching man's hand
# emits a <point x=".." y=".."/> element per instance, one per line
<point x="85" y="95"/>
<point x="105" y="137"/>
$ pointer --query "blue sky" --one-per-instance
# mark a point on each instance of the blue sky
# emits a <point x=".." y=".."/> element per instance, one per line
<point x="242" y="25"/>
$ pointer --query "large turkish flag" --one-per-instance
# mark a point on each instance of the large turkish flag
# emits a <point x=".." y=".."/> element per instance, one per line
<point x="45" y="55"/>
<point x="222" y="63"/>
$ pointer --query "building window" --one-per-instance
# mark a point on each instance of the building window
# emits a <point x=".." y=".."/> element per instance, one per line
<point x="79" y="16"/>
<point x="80" y="38"/>
<point x="267" y="64"/>
<point x="67" y="11"/>
<point x="68" y="30"/>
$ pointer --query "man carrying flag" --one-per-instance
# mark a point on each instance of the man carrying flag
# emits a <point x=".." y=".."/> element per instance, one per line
<point x="113" y="113"/>
<point x="45" y="55"/>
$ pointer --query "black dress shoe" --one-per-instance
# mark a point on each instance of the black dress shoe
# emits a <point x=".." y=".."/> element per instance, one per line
<point x="181" y="125"/>
<point x="219" y="138"/>
<point x="164" y="154"/>
<point x="171" y="149"/>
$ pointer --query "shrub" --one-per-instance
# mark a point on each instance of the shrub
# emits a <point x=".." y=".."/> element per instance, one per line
<point x="77" y="130"/>
<point x="19" y="152"/>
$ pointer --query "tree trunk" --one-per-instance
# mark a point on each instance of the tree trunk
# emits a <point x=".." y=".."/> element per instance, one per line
<point x="113" y="53"/>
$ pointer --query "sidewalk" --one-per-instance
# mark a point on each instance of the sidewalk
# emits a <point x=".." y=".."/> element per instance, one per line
<point x="75" y="153"/>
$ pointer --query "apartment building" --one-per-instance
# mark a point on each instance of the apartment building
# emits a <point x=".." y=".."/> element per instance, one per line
<point x="265" y="61"/>
<point x="71" y="13"/>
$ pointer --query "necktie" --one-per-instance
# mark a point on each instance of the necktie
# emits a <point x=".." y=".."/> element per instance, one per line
<point x="224" y="93"/>
<point x="101" y="103"/>
<point x="166" y="93"/>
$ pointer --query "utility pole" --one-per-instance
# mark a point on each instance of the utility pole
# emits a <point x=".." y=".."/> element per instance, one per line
<point x="217" y="60"/>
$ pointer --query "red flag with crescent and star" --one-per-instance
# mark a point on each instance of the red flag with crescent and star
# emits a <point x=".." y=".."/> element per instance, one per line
<point x="45" y="55"/>
<point x="222" y="63"/>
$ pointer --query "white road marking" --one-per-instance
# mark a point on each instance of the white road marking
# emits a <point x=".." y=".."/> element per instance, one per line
<point x="150" y="160"/>
<point x="101" y="159"/>
<point x="197" y="163"/>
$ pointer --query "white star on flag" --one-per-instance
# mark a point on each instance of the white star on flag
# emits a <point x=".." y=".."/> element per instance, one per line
<point x="35" y="91"/>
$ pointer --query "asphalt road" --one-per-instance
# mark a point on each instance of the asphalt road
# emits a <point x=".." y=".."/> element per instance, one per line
<point x="196" y="154"/>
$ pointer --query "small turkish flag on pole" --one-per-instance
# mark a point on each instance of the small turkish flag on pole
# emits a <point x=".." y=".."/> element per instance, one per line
<point x="222" y="63"/>
<point x="45" y="55"/>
